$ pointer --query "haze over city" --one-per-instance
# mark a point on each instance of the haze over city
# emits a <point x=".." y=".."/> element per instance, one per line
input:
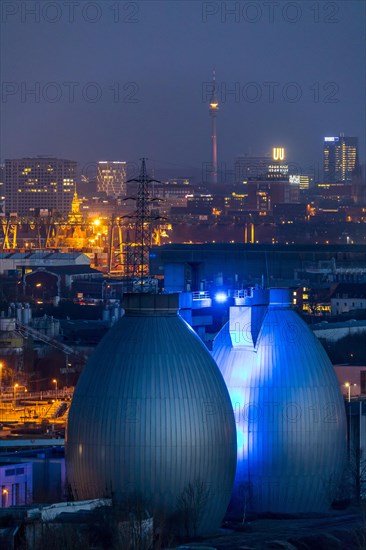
<point x="125" y="80"/>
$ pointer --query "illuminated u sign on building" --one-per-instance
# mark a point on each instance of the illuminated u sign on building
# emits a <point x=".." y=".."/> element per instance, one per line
<point x="278" y="153"/>
<point x="277" y="169"/>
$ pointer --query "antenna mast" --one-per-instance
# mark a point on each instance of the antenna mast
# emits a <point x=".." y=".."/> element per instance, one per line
<point x="214" y="108"/>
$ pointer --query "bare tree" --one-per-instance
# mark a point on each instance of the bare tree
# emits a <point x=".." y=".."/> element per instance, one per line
<point x="313" y="302"/>
<point x="246" y="491"/>
<point x="357" y="468"/>
<point x="164" y="536"/>
<point x="61" y="537"/>
<point x="139" y="524"/>
<point x="191" y="505"/>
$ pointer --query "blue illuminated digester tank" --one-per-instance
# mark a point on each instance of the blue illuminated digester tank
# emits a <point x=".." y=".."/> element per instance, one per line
<point x="151" y="416"/>
<point x="289" y="411"/>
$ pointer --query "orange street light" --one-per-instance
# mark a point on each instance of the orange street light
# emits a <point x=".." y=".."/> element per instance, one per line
<point x="55" y="382"/>
<point x="15" y="389"/>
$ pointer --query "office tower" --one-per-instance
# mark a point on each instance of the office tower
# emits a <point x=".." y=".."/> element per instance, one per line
<point x="111" y="178"/>
<point x="33" y="185"/>
<point x="340" y="158"/>
<point x="272" y="167"/>
<point x="251" y="168"/>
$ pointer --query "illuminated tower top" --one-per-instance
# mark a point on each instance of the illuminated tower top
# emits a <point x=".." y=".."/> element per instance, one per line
<point x="214" y="104"/>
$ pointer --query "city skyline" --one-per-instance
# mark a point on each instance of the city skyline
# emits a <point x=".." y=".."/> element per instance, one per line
<point x="226" y="173"/>
<point x="153" y="99"/>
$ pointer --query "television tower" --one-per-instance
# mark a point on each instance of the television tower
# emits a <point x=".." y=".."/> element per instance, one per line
<point x="214" y="107"/>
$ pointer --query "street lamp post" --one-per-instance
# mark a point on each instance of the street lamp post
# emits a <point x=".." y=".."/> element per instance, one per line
<point x="55" y="382"/>
<point x="4" y="498"/>
<point x="15" y="399"/>
<point x="1" y="379"/>
<point x="348" y="386"/>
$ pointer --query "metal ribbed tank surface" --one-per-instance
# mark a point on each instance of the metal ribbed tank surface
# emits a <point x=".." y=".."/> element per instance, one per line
<point x="290" y="415"/>
<point x="151" y="416"/>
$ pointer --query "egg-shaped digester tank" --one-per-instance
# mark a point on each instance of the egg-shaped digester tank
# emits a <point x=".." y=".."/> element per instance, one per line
<point x="151" y="415"/>
<point x="290" y="415"/>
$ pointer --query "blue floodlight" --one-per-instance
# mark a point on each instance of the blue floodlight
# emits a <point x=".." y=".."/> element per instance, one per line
<point x="220" y="297"/>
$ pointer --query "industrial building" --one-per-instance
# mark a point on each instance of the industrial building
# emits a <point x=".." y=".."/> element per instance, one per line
<point x="41" y="470"/>
<point x="151" y="416"/>
<point x="24" y="262"/>
<point x="16" y="482"/>
<point x="194" y="267"/>
<point x="290" y="417"/>
<point x="348" y="297"/>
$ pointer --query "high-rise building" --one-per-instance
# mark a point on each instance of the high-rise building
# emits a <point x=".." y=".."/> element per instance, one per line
<point x="41" y="183"/>
<point x="251" y="168"/>
<point x="111" y="178"/>
<point x="272" y="167"/>
<point x="340" y="158"/>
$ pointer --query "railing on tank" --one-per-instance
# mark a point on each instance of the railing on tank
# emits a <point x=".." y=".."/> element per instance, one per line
<point x="200" y="295"/>
<point x="201" y="298"/>
<point x="243" y="293"/>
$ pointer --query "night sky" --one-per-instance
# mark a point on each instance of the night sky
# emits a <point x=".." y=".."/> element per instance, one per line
<point x="121" y="80"/>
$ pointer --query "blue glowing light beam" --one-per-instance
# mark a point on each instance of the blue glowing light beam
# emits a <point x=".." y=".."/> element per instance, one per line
<point x="220" y="297"/>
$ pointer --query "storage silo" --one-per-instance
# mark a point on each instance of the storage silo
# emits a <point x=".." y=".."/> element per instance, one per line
<point x="290" y="415"/>
<point x="151" y="415"/>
